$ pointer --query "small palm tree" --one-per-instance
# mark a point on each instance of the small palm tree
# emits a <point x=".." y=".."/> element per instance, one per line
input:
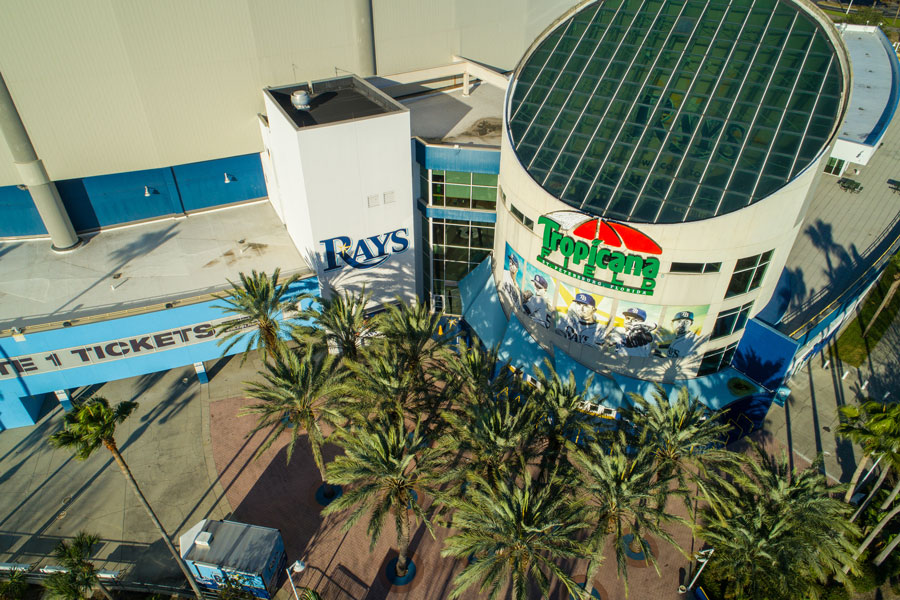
<point x="415" y="332"/>
<point x="480" y="374"/>
<point x="777" y="532"/>
<point x="484" y="438"/>
<point x="559" y="402"/>
<point x="388" y="465"/>
<point x="93" y="424"/>
<point x="298" y="392"/>
<point x="626" y="496"/>
<point x="875" y="427"/>
<point x="687" y="441"/>
<point x="515" y="529"/>
<point x="339" y="322"/>
<point x="80" y="576"/>
<point x="256" y="303"/>
<point x="14" y="586"/>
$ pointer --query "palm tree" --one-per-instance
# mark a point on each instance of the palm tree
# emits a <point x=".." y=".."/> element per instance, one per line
<point x="389" y="465"/>
<point x="777" y="532"/>
<point x="626" y="496"/>
<point x="258" y="303"/>
<point x="93" y="424"/>
<point x="381" y="387"/>
<point x="685" y="438"/>
<point x="875" y="427"/>
<point x="338" y="322"/>
<point x="484" y="438"/>
<point x="559" y="402"/>
<point x="479" y="373"/>
<point x="415" y="332"/>
<point x="514" y="530"/>
<point x="80" y="576"/>
<point x="14" y="586"/>
<point x="297" y="393"/>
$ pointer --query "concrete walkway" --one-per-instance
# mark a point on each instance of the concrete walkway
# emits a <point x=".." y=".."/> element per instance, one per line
<point x="808" y="422"/>
<point x="47" y="495"/>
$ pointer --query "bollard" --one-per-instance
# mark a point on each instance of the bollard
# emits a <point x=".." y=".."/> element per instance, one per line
<point x="201" y="372"/>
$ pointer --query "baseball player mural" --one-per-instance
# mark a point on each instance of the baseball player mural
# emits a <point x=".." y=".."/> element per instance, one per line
<point x="635" y="333"/>
<point x="683" y="338"/>
<point x="537" y="296"/>
<point x="512" y="277"/>
<point x="582" y="322"/>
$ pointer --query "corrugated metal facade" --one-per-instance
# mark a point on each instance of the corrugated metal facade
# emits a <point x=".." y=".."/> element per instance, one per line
<point x="110" y="86"/>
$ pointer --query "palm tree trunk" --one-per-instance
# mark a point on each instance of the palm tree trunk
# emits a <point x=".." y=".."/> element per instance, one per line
<point x="872" y="536"/>
<point x="871" y="494"/>
<point x="111" y="446"/>
<point x="855" y="479"/>
<point x="892" y="496"/>
<point x="887" y="551"/>
<point x="104" y="590"/>
<point x="403" y="543"/>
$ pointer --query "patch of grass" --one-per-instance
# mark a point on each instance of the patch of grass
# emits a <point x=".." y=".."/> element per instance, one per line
<point x="851" y="347"/>
<point x="866" y="14"/>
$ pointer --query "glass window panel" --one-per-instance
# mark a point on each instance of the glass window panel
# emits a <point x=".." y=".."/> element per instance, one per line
<point x="458" y="195"/>
<point x="454" y="271"/>
<point x="460" y="254"/>
<point x="484" y="179"/>
<point x="482" y="237"/>
<point x="458" y="235"/>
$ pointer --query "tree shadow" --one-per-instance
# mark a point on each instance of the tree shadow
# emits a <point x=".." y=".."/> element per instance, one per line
<point x="283" y="497"/>
<point x="123" y="255"/>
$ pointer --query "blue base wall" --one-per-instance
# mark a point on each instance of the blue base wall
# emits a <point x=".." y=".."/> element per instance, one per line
<point x="105" y="200"/>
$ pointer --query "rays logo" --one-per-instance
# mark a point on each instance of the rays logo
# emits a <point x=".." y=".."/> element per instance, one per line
<point x="366" y="253"/>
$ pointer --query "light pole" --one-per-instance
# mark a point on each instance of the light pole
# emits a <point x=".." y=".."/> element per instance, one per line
<point x="702" y="558"/>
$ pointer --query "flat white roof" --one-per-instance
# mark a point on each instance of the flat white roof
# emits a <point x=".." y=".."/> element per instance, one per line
<point x="133" y="267"/>
<point x="876" y="81"/>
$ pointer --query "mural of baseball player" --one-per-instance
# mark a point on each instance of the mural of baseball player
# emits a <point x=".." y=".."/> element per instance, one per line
<point x="538" y="293"/>
<point x="634" y="334"/>
<point x="511" y="286"/>
<point x="582" y="322"/>
<point x="683" y="338"/>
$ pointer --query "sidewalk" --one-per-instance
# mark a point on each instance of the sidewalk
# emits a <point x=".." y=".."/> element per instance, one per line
<point x="808" y="422"/>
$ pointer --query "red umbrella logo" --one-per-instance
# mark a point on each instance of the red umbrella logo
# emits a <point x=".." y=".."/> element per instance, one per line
<point x="609" y="233"/>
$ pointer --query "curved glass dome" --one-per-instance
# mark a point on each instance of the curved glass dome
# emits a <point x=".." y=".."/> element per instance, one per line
<point x="664" y="111"/>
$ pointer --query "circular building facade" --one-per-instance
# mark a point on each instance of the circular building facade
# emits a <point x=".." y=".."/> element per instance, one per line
<point x="655" y="165"/>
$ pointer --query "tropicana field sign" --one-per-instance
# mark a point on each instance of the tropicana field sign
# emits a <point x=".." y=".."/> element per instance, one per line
<point x="590" y="250"/>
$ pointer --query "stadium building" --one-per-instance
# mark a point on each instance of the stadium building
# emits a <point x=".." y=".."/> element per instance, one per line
<point x="638" y="192"/>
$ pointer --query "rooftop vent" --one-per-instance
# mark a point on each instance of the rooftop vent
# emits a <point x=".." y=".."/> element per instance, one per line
<point x="204" y="539"/>
<point x="300" y="99"/>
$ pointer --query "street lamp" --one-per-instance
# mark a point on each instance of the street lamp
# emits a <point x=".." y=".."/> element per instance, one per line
<point x="702" y="558"/>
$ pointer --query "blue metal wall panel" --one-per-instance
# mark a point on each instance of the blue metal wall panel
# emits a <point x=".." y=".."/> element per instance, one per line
<point x="764" y="354"/>
<point x="13" y="391"/>
<point x="18" y="215"/>
<point x="106" y="200"/>
<point x="462" y="159"/>
<point x="459" y="214"/>
<point x="202" y="185"/>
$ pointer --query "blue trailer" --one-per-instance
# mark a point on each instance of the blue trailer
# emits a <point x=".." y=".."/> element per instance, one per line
<point x="251" y="556"/>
